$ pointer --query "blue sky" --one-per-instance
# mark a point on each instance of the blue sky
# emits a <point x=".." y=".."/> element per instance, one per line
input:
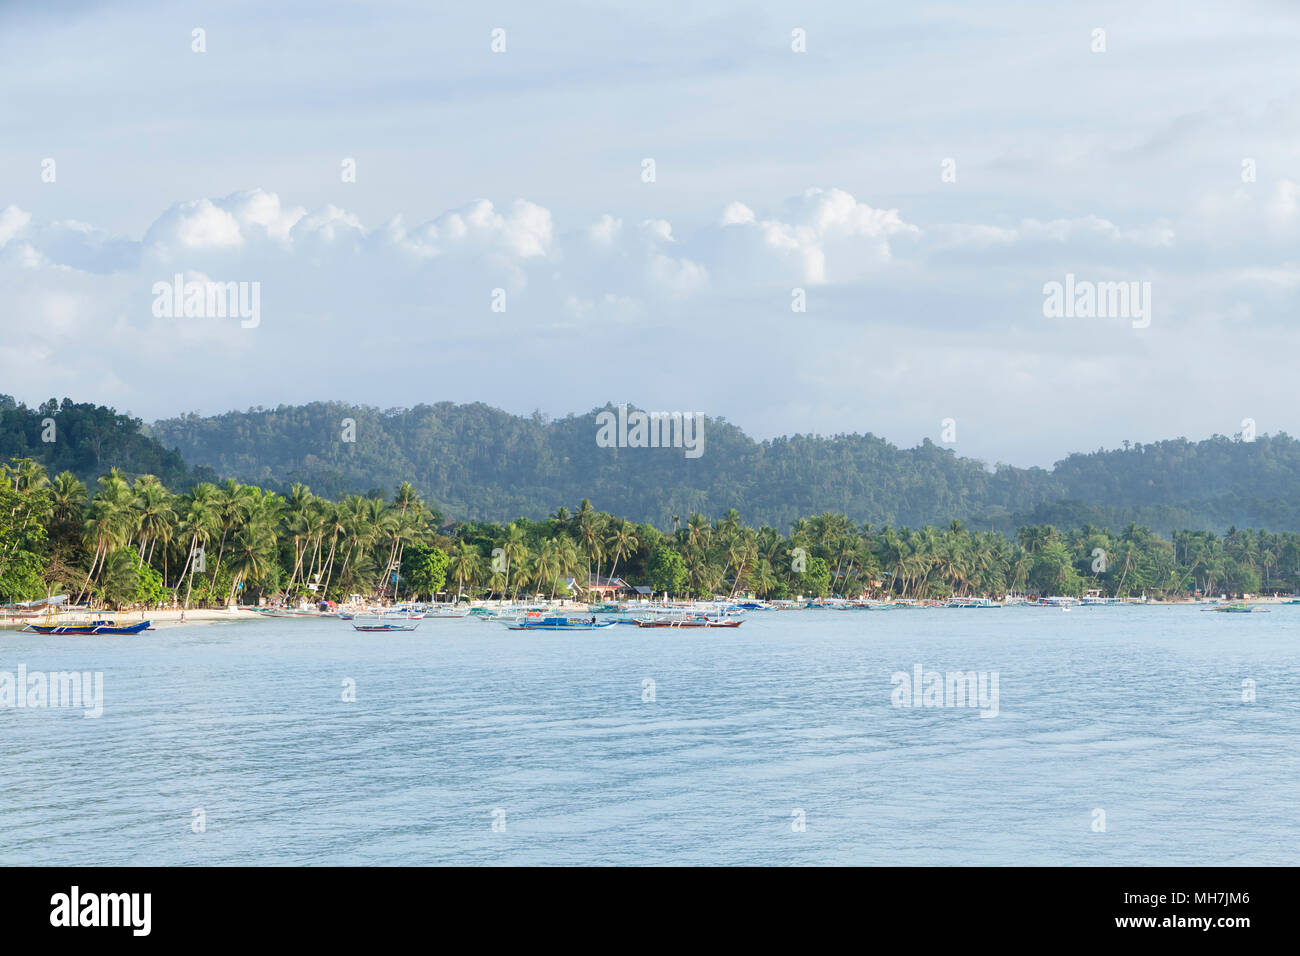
<point x="775" y="170"/>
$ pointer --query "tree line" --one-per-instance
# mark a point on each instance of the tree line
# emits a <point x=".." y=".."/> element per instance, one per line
<point x="482" y="463"/>
<point x="133" y="541"/>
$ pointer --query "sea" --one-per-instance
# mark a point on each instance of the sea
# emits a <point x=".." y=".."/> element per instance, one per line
<point x="1106" y="735"/>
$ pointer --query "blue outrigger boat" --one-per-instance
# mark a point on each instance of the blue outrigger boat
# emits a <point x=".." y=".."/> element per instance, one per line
<point x="560" y="624"/>
<point x="100" y="628"/>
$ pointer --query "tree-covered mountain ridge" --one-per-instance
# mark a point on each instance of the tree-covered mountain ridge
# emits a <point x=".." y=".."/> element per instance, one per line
<point x="481" y="463"/>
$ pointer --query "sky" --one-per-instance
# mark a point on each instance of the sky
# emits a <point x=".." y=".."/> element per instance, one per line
<point x="551" y="209"/>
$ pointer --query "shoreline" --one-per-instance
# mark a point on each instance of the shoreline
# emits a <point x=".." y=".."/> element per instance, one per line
<point x="171" y="617"/>
<point x="165" y="618"/>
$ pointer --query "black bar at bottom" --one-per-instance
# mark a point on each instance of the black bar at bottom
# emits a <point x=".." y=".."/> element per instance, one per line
<point x="335" y="905"/>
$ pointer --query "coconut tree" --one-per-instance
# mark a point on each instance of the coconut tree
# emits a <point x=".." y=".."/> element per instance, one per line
<point x="155" y="515"/>
<point x="465" y="564"/>
<point x="199" y="521"/>
<point x="622" y="541"/>
<point x="110" y="522"/>
<point x="234" y="503"/>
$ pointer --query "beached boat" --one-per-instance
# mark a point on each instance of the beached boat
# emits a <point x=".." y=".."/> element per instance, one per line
<point x="559" y="624"/>
<point x="99" y="628"/>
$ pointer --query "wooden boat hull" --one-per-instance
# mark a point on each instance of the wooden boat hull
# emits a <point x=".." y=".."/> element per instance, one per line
<point x="541" y="626"/>
<point x="676" y="624"/>
<point x="97" y="628"/>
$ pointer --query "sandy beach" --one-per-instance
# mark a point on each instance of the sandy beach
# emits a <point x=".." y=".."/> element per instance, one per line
<point x="168" y="617"/>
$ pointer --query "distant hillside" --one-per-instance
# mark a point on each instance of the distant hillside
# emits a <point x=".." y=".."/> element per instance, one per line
<point x="88" y="440"/>
<point x="478" y="462"/>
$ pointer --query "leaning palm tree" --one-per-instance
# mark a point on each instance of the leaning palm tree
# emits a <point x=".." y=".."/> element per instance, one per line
<point x="622" y="541"/>
<point x="110" y="522"/>
<point x="199" y="522"/>
<point x="235" y="502"/>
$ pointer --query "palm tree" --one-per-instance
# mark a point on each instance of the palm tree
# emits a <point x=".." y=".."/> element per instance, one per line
<point x="465" y="564"/>
<point x="68" y="496"/>
<point x="547" y="570"/>
<point x="234" y="502"/>
<point x="515" y="551"/>
<point x="155" y="515"/>
<point x="622" y="540"/>
<point x="200" y="521"/>
<point x="110" y="522"/>
<point x="591" y="534"/>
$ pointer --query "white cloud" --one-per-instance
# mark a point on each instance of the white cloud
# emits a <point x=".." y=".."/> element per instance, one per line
<point x="12" y="221"/>
<point x="606" y="230"/>
<point x="737" y="214"/>
<point x="357" y="295"/>
<point x="258" y="208"/>
<point x="194" y="225"/>
<point x="828" y="236"/>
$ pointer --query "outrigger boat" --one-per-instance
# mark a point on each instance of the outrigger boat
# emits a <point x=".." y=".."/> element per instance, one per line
<point x="972" y="603"/>
<point x="559" y="624"/>
<point x="688" y="622"/>
<point x="410" y="626"/>
<point x="100" y="628"/>
<point x="446" y="612"/>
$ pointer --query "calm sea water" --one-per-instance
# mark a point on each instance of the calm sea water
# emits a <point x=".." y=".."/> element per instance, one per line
<point x="1136" y="712"/>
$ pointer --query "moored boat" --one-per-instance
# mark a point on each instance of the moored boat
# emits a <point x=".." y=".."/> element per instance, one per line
<point x="384" y="626"/>
<point x="451" y="612"/>
<point x="559" y="624"/>
<point x="98" y="628"/>
<point x="688" y="622"/>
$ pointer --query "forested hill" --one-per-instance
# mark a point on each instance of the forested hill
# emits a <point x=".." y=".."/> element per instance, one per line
<point x="87" y="440"/>
<point x="478" y="462"/>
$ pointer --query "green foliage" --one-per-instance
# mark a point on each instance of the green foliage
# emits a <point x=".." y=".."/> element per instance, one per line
<point x="815" y="581"/>
<point x="480" y="462"/>
<point x="88" y="440"/>
<point x="425" y="570"/>
<point x="137" y="542"/>
<point x="21" y="579"/>
<point x="149" y="588"/>
<point x="122" y="578"/>
<point x="667" y="571"/>
<point x="24" y="511"/>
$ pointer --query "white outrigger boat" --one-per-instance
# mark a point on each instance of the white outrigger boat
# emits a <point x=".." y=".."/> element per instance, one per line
<point x="385" y="626"/>
<point x="451" y="611"/>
